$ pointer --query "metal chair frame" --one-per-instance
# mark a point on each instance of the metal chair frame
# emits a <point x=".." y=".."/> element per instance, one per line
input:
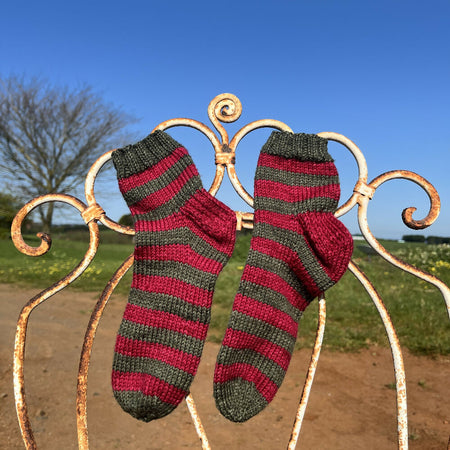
<point x="224" y="108"/>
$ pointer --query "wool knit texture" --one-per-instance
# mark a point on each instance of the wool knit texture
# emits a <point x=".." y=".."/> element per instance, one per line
<point x="298" y="249"/>
<point x="184" y="237"/>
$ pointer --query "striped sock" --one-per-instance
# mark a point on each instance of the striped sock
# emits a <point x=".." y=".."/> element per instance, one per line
<point x="184" y="237"/>
<point x="298" y="249"/>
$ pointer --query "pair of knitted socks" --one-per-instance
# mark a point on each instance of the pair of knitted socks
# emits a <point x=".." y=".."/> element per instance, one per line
<point x="185" y="236"/>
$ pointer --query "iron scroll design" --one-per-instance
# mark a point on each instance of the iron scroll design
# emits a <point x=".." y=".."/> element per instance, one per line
<point x="224" y="108"/>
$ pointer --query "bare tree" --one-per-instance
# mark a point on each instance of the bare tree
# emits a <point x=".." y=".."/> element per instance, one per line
<point x="51" y="135"/>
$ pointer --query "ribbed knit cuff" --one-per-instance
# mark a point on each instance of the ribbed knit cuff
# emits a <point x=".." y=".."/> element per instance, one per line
<point x="300" y="146"/>
<point x="135" y="158"/>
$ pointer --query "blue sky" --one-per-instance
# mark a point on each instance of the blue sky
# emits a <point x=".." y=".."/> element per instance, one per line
<point x="377" y="72"/>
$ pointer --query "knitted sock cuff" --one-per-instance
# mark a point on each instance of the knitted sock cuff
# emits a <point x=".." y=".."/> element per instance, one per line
<point x="156" y="174"/>
<point x="135" y="158"/>
<point x="300" y="146"/>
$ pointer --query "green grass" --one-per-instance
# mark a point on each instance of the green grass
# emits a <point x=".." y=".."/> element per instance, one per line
<point x="65" y="254"/>
<point x="417" y="308"/>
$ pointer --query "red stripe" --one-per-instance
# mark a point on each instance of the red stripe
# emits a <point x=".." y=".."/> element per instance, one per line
<point x="280" y="191"/>
<point x="172" y="222"/>
<point x="273" y="281"/>
<point x="238" y="340"/>
<point x="148" y="385"/>
<point x="152" y="172"/>
<point x="172" y="286"/>
<point x="291" y="222"/>
<point x="220" y="242"/>
<point x="266" y="313"/>
<point x="279" y="220"/>
<point x="165" y="321"/>
<point x="296" y="166"/>
<point x="164" y="194"/>
<point x="171" y="356"/>
<point x="182" y="253"/>
<point x="280" y="251"/>
<point x="265" y="386"/>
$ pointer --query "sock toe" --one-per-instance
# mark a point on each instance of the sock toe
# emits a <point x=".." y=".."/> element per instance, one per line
<point x="143" y="407"/>
<point x="238" y="400"/>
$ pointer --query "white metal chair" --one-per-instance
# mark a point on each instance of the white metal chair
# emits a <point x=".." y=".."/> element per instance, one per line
<point x="223" y="108"/>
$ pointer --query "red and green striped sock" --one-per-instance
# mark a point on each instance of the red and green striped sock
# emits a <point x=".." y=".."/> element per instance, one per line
<point x="184" y="237"/>
<point x="298" y="249"/>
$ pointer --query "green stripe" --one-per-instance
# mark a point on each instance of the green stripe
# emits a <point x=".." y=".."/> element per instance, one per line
<point x="140" y="192"/>
<point x="177" y="270"/>
<point x="181" y="235"/>
<point x="298" y="244"/>
<point x="170" y="338"/>
<point x="176" y="202"/>
<point x="269" y="297"/>
<point x="135" y="158"/>
<point x="238" y="400"/>
<point x="261" y="329"/>
<point x="293" y="178"/>
<point x="266" y="365"/>
<point x="315" y="204"/>
<point x="141" y="406"/>
<point x="170" y="304"/>
<point x="279" y="267"/>
<point x="300" y="146"/>
<point x="171" y="375"/>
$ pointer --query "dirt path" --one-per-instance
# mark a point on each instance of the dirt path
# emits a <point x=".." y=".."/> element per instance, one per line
<point x="352" y="404"/>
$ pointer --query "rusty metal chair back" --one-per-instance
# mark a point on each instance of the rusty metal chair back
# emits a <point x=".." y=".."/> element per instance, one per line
<point x="224" y="108"/>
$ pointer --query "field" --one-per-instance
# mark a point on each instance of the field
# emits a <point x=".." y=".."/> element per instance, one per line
<point x="352" y="403"/>
<point x="416" y="307"/>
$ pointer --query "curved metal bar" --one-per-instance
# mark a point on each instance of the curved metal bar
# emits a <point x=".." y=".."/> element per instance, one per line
<point x="102" y="160"/>
<point x="399" y="368"/>
<point x="197" y="422"/>
<point x="270" y="123"/>
<point x="223" y="108"/>
<point x="407" y="217"/>
<point x="90" y="194"/>
<point x="362" y="168"/>
<point x="191" y="123"/>
<point x="435" y="202"/>
<point x="82" y="428"/>
<point x="231" y="170"/>
<point x="22" y="323"/>
<point x="218" y="176"/>
<point x="310" y="375"/>
<point x="46" y="241"/>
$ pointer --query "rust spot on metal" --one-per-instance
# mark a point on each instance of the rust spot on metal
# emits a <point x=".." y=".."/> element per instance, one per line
<point x="226" y="149"/>
<point x="363" y="189"/>
<point x="225" y="158"/>
<point x="93" y="212"/>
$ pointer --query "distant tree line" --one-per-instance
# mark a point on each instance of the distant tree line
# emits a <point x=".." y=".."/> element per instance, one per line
<point x="126" y="220"/>
<point x="435" y="240"/>
<point x="9" y="205"/>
